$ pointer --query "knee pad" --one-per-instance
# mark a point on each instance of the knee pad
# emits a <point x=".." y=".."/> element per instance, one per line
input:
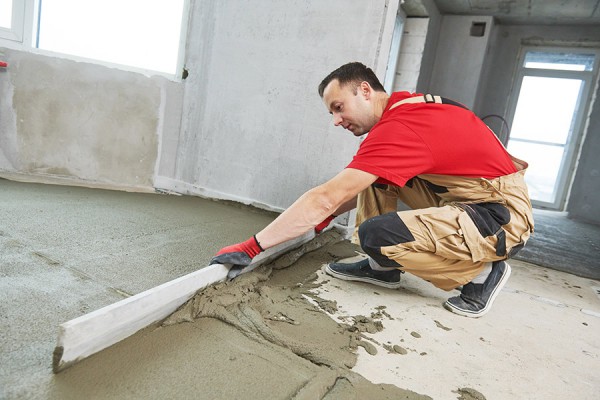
<point x="381" y="231"/>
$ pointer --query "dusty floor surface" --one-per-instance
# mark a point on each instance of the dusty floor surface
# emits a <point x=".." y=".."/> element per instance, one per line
<point x="563" y="244"/>
<point x="275" y="333"/>
<point x="541" y="340"/>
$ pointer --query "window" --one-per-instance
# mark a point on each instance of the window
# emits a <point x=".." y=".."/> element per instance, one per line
<point x="138" y="34"/>
<point x="549" y="104"/>
<point x="11" y="20"/>
<point x="559" y="61"/>
<point x="5" y="14"/>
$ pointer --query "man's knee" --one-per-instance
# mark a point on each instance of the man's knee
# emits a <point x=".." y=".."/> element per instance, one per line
<point x="381" y="231"/>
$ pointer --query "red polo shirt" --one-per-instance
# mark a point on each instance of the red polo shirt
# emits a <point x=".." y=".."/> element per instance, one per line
<point x="430" y="138"/>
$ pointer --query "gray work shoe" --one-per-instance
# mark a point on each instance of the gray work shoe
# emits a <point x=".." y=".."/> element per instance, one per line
<point x="476" y="299"/>
<point x="361" y="271"/>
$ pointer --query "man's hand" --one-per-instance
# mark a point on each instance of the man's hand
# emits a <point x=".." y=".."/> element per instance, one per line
<point x="238" y="254"/>
<point x="319" y="228"/>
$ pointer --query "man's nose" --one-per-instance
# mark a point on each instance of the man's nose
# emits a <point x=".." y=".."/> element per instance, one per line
<point x="337" y="119"/>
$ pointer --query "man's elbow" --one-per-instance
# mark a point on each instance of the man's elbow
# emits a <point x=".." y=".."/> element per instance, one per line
<point x="324" y="199"/>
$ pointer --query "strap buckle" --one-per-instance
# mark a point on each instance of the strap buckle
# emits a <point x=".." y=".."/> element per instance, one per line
<point x="429" y="98"/>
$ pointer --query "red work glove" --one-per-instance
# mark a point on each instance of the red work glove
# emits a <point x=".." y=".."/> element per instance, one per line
<point x="319" y="228"/>
<point x="240" y="254"/>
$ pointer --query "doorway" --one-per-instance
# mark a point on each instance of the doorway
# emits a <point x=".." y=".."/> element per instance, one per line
<point x="549" y="105"/>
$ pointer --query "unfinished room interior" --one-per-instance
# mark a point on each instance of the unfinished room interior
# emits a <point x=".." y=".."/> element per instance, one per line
<point x="139" y="138"/>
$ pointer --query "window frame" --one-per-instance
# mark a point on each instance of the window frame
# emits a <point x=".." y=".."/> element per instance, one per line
<point x="16" y="35"/>
<point x="24" y="29"/>
<point x="567" y="172"/>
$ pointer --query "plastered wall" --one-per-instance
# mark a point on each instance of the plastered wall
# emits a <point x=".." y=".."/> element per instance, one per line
<point x="585" y="193"/>
<point x="246" y="125"/>
<point x="80" y="123"/>
<point x="254" y="128"/>
<point x="431" y="43"/>
<point x="411" y="54"/>
<point x="459" y="58"/>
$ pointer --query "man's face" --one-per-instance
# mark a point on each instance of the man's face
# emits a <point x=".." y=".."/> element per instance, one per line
<point x="353" y="111"/>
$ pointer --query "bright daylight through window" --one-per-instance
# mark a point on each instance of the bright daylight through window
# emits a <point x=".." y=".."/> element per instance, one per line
<point x="5" y="14"/>
<point x="546" y="126"/>
<point x="137" y="33"/>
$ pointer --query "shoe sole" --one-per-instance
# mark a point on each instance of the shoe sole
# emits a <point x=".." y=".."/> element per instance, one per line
<point x="466" y="313"/>
<point x="335" y="274"/>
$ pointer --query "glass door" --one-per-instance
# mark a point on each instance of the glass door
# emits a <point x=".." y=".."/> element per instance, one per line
<point x="549" y="105"/>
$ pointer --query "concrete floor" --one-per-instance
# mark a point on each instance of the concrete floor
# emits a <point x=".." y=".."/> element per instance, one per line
<point x="66" y="251"/>
<point x="541" y="340"/>
<point x="563" y="244"/>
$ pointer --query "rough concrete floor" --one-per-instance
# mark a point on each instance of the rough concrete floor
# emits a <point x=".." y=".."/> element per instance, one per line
<point x="66" y="251"/>
<point x="541" y="340"/>
<point x="563" y="244"/>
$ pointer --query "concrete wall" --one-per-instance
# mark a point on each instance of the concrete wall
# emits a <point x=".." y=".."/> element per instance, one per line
<point x="254" y="128"/>
<point x="81" y="123"/>
<point x="495" y="91"/>
<point x="431" y="43"/>
<point x="411" y="54"/>
<point x="585" y="192"/>
<point x="459" y="58"/>
<point x="246" y="125"/>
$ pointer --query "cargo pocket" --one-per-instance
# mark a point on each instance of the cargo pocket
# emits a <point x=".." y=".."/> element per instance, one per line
<point x="488" y="218"/>
<point x="446" y="233"/>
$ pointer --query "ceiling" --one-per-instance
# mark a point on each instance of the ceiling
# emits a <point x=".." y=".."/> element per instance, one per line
<point x="564" y="12"/>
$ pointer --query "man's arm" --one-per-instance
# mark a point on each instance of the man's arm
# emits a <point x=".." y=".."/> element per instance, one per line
<point x="315" y="205"/>
<point x="308" y="211"/>
<point x="347" y="206"/>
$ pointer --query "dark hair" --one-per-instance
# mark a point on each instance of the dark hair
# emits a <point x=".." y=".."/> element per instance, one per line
<point x="352" y="73"/>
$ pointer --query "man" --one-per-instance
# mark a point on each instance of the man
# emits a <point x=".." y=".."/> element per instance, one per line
<point x="470" y="206"/>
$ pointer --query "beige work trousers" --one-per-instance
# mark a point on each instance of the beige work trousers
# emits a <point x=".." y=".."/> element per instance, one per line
<point x="448" y="250"/>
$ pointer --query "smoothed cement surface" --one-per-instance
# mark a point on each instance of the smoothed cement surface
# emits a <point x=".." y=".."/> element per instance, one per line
<point x="67" y="251"/>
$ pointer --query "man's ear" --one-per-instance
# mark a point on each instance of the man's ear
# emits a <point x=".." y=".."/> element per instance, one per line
<point x="365" y="89"/>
